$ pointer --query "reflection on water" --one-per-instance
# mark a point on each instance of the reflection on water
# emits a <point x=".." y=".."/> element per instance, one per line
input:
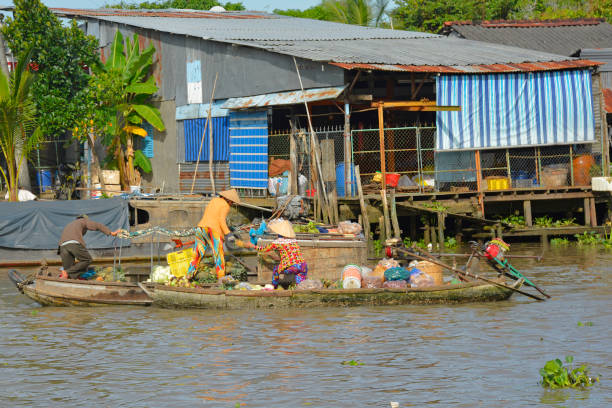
<point x="455" y="356"/>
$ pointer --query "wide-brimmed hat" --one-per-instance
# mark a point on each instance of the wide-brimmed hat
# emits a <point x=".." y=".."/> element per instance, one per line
<point x="231" y="195"/>
<point x="282" y="228"/>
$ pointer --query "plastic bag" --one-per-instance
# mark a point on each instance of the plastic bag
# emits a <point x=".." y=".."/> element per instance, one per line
<point x="399" y="284"/>
<point x="396" y="273"/>
<point x="309" y="284"/>
<point x="348" y="227"/>
<point x="161" y="274"/>
<point x="365" y="271"/>
<point x="244" y="286"/>
<point x="388" y="263"/>
<point x="405" y="181"/>
<point x="371" y="282"/>
<point x="421" y="280"/>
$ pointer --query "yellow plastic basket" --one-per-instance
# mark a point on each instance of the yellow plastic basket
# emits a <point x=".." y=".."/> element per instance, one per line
<point x="179" y="262"/>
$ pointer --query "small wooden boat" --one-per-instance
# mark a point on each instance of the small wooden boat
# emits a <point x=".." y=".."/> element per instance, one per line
<point x="210" y="298"/>
<point x="55" y="291"/>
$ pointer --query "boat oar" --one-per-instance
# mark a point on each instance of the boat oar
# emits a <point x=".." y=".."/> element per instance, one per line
<point x="507" y="269"/>
<point x="466" y="273"/>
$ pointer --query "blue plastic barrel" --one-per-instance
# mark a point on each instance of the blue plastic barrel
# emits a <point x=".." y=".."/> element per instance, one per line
<point x="340" y="180"/>
<point x="45" y="180"/>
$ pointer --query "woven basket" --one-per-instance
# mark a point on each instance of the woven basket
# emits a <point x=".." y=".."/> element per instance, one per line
<point x="433" y="270"/>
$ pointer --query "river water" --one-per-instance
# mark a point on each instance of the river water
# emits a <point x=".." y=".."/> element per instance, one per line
<point x="443" y="356"/>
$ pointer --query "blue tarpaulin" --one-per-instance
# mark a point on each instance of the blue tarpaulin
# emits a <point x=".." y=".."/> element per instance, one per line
<point x="249" y="149"/>
<point x="515" y="110"/>
<point x="39" y="224"/>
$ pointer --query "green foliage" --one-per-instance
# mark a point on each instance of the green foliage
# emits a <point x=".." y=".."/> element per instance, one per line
<point x="358" y="12"/>
<point x="310" y="228"/>
<point x="514" y="220"/>
<point x="430" y="15"/>
<point x="589" y="324"/>
<point x="556" y="375"/>
<point x="378" y="247"/>
<point x="547" y="222"/>
<point x="19" y="131"/>
<point x="141" y="161"/>
<point x="119" y="101"/>
<point x="352" y="363"/>
<point x="60" y="58"/>
<point x="588" y="238"/>
<point x="559" y="242"/>
<point x="436" y="206"/>
<point x="450" y="242"/>
<point x="176" y="4"/>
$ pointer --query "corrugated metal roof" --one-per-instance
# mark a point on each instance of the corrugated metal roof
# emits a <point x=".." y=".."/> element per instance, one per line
<point x="557" y="36"/>
<point x="602" y="55"/>
<point x="441" y="51"/>
<point x="261" y="26"/>
<point x="343" y="44"/>
<point x="474" y="69"/>
<point x="607" y="93"/>
<point x="284" y="98"/>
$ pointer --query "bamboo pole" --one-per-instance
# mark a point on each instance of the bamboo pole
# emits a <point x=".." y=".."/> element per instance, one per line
<point x="381" y="139"/>
<point x="385" y="205"/>
<point x="314" y="146"/>
<point x="364" y="210"/>
<point x="210" y="138"/>
<point x="203" y="136"/>
<point x="396" y="229"/>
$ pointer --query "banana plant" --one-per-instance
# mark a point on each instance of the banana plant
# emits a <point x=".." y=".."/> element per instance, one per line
<point x="121" y="92"/>
<point x="19" y="131"/>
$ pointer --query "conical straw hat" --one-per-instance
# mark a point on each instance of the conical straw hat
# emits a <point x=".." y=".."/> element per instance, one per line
<point x="231" y="195"/>
<point x="282" y="228"/>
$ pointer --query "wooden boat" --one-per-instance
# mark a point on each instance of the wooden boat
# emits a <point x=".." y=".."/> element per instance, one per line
<point x="210" y="298"/>
<point x="54" y="291"/>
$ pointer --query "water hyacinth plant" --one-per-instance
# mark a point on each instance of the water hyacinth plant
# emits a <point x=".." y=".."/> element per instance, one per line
<point x="556" y="375"/>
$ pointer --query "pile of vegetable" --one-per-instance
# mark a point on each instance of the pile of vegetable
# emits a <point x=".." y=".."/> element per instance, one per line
<point x="309" y="228"/>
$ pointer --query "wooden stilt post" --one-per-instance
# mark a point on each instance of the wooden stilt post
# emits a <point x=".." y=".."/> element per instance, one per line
<point x="587" y="212"/>
<point x="381" y="227"/>
<point x="441" y="230"/>
<point x="413" y="229"/>
<point x="362" y="205"/>
<point x="593" y="212"/>
<point x="434" y="239"/>
<point x="458" y="230"/>
<point x="426" y="234"/>
<point x="293" y="176"/>
<point x="381" y="141"/>
<point x="527" y="213"/>
<point x="396" y="229"/>
<point x="385" y="205"/>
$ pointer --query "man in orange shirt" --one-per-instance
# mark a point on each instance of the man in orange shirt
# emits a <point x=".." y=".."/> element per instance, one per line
<point x="211" y="232"/>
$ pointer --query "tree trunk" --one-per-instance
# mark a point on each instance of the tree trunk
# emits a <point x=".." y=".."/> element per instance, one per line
<point x="96" y="173"/>
<point x="130" y="162"/>
<point x="3" y="63"/>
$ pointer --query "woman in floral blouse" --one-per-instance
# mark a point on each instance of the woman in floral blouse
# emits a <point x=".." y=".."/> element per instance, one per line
<point x="291" y="258"/>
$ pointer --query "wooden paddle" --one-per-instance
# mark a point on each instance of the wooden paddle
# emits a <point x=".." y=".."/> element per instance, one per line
<point x="466" y="273"/>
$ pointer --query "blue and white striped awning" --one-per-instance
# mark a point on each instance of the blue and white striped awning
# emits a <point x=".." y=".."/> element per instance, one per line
<point x="248" y="149"/>
<point x="515" y="109"/>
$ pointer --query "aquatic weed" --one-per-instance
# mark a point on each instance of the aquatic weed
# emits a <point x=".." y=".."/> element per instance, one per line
<point x="352" y="363"/>
<point x="556" y="375"/>
<point x="559" y="241"/>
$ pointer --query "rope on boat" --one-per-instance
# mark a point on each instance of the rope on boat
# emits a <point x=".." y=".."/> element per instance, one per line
<point x="125" y="234"/>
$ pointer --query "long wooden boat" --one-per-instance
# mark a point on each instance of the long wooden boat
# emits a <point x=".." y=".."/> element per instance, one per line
<point x="202" y="298"/>
<point x="54" y="291"/>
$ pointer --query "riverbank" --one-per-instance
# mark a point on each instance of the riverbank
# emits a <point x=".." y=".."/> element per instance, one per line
<point x="443" y="356"/>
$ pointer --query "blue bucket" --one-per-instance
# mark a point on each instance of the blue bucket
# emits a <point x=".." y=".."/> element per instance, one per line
<point x="45" y="180"/>
<point x="340" y="185"/>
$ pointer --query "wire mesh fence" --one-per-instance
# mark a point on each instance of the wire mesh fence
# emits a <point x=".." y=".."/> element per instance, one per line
<point x="410" y="154"/>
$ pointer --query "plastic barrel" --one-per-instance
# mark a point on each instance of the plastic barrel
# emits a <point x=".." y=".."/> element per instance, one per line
<point x="45" y="180"/>
<point x="351" y="277"/>
<point x="340" y="180"/>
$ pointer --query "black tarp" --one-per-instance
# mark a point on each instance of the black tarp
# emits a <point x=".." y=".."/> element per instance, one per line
<point x="39" y="224"/>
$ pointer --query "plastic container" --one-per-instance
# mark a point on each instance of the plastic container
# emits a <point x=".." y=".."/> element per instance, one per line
<point x="351" y="277"/>
<point x="371" y="282"/>
<point x="497" y="183"/>
<point x="433" y="270"/>
<point x="45" y="180"/>
<point x="391" y="179"/>
<point x="582" y="169"/>
<point x="110" y="176"/>
<point x="179" y="262"/>
<point x="340" y="185"/>
<point x="96" y="193"/>
<point x="554" y="176"/>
